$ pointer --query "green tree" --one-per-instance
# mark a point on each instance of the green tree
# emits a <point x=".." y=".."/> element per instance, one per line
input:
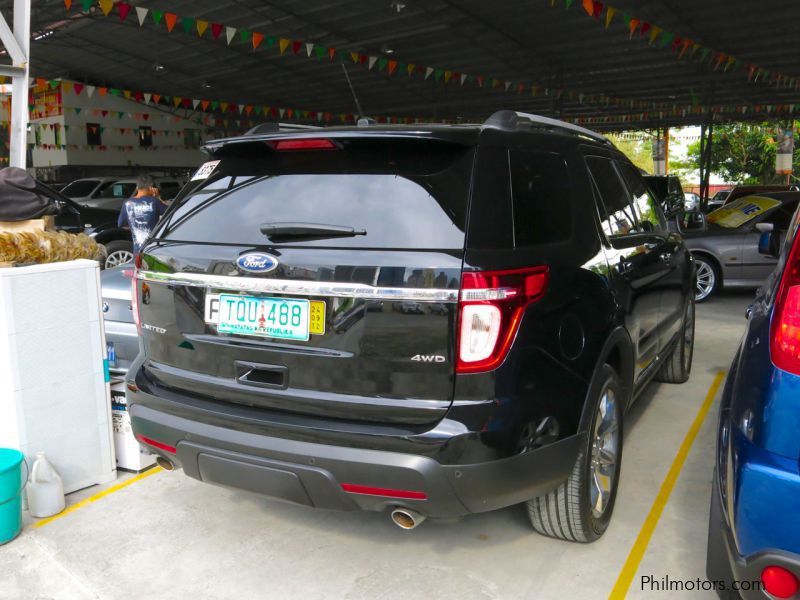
<point x="741" y="153"/>
<point x="640" y="152"/>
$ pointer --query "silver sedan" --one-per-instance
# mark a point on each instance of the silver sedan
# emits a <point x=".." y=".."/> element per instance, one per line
<point x="725" y="248"/>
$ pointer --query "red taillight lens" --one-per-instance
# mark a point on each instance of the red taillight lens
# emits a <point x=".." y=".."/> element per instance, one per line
<point x="315" y="144"/>
<point x="779" y="582"/>
<point x="785" y="328"/>
<point x="157" y="444"/>
<point x="491" y="305"/>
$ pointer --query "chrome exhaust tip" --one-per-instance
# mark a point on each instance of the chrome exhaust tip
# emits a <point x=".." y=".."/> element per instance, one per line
<point x="407" y="519"/>
<point x="165" y="464"/>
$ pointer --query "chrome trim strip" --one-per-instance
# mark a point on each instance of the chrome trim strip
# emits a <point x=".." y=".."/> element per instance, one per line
<point x="300" y="288"/>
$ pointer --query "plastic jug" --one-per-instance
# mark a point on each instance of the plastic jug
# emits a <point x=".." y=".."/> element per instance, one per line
<point x="45" y="489"/>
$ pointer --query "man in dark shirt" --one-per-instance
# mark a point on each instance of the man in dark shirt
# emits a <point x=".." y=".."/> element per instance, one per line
<point x="141" y="212"/>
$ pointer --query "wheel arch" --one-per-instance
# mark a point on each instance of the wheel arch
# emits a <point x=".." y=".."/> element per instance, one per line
<point x="617" y="352"/>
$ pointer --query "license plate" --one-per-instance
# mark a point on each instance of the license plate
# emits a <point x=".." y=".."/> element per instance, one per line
<point x="285" y="318"/>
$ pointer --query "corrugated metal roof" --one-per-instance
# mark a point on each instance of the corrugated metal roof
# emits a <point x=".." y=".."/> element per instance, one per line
<point x="526" y="42"/>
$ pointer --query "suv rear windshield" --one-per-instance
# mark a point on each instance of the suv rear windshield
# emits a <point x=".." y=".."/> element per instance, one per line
<point x="405" y="193"/>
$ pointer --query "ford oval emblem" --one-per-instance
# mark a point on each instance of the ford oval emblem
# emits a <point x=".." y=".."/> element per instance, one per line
<point x="257" y="262"/>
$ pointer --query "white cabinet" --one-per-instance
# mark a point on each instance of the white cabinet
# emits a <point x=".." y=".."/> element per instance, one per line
<point x="53" y="391"/>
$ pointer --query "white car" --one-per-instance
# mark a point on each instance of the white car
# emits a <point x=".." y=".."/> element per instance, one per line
<point x="111" y="192"/>
<point x="691" y="201"/>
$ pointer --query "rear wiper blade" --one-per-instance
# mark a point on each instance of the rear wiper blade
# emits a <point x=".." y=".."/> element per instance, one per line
<point x="308" y="230"/>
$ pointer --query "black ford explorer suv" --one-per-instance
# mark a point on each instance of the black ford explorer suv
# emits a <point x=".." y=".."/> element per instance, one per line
<point x="428" y="320"/>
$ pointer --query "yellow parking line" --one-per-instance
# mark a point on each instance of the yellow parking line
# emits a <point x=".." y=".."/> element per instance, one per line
<point x="636" y="554"/>
<point x="106" y="492"/>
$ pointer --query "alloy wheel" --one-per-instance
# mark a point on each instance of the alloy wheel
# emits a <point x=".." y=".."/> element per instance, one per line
<point x="706" y="280"/>
<point x="604" y="454"/>
<point x="120" y="257"/>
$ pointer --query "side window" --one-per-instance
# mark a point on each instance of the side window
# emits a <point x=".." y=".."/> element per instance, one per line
<point x="616" y="213"/>
<point x="540" y="191"/>
<point x="644" y="203"/>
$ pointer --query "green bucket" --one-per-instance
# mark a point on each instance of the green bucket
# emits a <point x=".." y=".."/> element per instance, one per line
<point x="11" y="485"/>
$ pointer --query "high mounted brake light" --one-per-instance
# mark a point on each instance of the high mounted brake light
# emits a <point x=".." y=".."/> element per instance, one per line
<point x="310" y="144"/>
<point x="785" y="326"/>
<point x="491" y="305"/>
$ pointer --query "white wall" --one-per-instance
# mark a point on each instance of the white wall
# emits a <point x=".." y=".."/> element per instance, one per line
<point x="121" y="148"/>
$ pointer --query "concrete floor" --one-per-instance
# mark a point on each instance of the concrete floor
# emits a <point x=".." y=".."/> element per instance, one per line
<point x="168" y="536"/>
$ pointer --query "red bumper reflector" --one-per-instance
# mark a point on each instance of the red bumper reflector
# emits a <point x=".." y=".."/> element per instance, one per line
<point x="779" y="582"/>
<point x="376" y="491"/>
<point x="156" y="444"/>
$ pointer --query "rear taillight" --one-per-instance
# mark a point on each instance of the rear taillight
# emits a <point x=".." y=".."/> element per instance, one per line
<point x="785" y="328"/>
<point x="313" y="144"/>
<point x="491" y="305"/>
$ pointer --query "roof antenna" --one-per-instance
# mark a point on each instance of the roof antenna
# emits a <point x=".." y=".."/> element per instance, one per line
<point x="362" y="120"/>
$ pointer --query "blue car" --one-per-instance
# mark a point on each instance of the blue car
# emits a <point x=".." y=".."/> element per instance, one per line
<point x="754" y="529"/>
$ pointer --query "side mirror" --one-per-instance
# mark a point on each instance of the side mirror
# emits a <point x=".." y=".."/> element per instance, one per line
<point x="673" y="204"/>
<point x="690" y="220"/>
<point x="769" y="244"/>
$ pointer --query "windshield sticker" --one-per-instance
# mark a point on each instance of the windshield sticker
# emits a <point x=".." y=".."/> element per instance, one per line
<point x="741" y="211"/>
<point x="204" y="171"/>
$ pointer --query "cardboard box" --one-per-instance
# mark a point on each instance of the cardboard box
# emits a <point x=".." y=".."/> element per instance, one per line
<point x="130" y="454"/>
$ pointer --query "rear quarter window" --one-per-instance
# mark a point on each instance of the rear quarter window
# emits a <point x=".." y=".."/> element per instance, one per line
<point x="540" y="190"/>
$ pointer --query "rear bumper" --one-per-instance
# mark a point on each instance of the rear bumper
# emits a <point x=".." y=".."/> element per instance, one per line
<point x="313" y="474"/>
<point x="732" y="572"/>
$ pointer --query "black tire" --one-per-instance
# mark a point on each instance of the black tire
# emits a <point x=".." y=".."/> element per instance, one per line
<point x="566" y="513"/>
<point x="115" y="251"/>
<point x="708" y="278"/>
<point x="678" y="365"/>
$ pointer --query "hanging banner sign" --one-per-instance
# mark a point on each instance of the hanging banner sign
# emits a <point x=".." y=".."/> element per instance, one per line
<point x="783" y="158"/>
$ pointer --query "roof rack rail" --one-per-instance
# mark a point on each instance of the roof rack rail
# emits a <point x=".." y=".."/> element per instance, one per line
<point x="510" y="120"/>
<point x="275" y="126"/>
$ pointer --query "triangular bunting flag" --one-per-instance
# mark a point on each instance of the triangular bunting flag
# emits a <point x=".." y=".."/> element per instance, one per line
<point x="654" y="33"/>
<point x="170" y="19"/>
<point x="610" y="12"/>
<point x="244" y="35"/>
<point x="508" y="85"/>
<point x="428" y="71"/>
<point x="201" y="27"/>
<point x="156" y="98"/>
<point x="123" y="8"/>
<point x="86" y="5"/>
<point x="332" y="53"/>
<point x="77" y="88"/>
<point x="141" y="13"/>
<point x="372" y="60"/>
<point x="106" y="6"/>
<point x="157" y="15"/>
<point x="195" y="102"/>
<point x="229" y="33"/>
<point x="186" y="23"/>
<point x="89" y="90"/>
<point x="147" y="97"/>
<point x="392" y="66"/>
<point x="296" y="47"/>
<point x="103" y="91"/>
<point x="68" y="4"/>
<point x="410" y="68"/>
<point x="216" y="30"/>
<point x="309" y="49"/>
<point x="283" y="44"/>
<point x="463" y="78"/>
<point x="176" y="100"/>
<point x="632" y="26"/>
<point x="257" y="39"/>
<point x="204" y="104"/>
<point x="319" y="51"/>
